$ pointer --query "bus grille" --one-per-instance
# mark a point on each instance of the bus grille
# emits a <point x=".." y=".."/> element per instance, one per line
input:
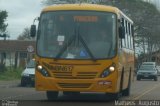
<point x="74" y="85"/>
<point x="79" y="75"/>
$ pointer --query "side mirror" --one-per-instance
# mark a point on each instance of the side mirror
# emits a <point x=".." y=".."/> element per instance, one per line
<point x="33" y="31"/>
<point x="122" y="32"/>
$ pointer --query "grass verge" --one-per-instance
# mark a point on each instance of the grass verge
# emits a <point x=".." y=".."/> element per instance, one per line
<point x="11" y="74"/>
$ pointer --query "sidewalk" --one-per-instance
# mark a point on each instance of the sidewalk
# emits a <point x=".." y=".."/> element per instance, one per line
<point x="9" y="84"/>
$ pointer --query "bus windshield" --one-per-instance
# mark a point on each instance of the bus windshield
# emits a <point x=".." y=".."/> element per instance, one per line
<point x="77" y="35"/>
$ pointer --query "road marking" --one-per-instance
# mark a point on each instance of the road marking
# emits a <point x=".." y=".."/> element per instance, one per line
<point x="18" y="96"/>
<point x="144" y="93"/>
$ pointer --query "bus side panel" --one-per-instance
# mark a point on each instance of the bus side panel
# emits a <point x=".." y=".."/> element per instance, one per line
<point x="126" y="64"/>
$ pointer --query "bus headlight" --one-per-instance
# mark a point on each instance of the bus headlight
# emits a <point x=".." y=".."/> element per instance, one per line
<point x="43" y="71"/>
<point x="107" y="71"/>
<point x="39" y="67"/>
<point x="111" y="68"/>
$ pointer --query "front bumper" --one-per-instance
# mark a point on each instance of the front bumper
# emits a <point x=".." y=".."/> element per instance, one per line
<point x="108" y="84"/>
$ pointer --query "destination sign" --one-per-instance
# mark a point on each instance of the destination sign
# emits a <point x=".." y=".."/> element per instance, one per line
<point x="85" y="18"/>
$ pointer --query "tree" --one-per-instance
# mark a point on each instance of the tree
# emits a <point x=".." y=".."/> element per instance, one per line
<point x="50" y="2"/>
<point x="3" y="25"/>
<point x="25" y="35"/>
<point x="146" y="20"/>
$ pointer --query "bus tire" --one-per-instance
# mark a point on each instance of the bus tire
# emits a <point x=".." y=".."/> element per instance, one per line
<point x="138" y="79"/>
<point x="68" y="93"/>
<point x="52" y="95"/>
<point x="121" y="81"/>
<point x="126" y="92"/>
<point x="23" y="83"/>
<point x="113" y="96"/>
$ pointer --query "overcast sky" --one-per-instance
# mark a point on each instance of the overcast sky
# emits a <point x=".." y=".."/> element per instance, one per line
<point x="21" y="14"/>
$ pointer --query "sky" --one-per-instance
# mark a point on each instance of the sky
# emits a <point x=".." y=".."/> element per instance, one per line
<point x="21" y="14"/>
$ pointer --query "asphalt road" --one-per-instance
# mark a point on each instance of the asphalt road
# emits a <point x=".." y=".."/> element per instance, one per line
<point x="25" y="96"/>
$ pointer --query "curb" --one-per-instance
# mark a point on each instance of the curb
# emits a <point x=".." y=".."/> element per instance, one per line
<point x="9" y="86"/>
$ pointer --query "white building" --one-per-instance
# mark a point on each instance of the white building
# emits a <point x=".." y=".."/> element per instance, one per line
<point x="16" y="53"/>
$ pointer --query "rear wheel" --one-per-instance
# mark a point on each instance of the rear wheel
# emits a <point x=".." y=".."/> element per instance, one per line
<point x="52" y="95"/>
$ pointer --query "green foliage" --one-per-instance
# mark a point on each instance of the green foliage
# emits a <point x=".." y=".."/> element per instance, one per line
<point x="11" y="74"/>
<point x="3" y="16"/>
<point x="2" y="68"/>
<point x="50" y="2"/>
<point x="146" y="19"/>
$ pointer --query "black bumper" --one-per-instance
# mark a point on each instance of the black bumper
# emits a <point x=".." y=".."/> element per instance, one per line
<point x="28" y="79"/>
<point x="146" y="76"/>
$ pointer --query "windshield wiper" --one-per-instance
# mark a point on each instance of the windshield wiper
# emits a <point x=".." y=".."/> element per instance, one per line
<point x="86" y="47"/>
<point x="110" y="49"/>
<point x="72" y="38"/>
<point x="84" y="44"/>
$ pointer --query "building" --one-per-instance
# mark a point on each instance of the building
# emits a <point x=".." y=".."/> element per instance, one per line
<point x="16" y="53"/>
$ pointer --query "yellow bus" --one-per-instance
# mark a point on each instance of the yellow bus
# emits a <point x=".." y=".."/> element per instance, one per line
<point x="84" y="48"/>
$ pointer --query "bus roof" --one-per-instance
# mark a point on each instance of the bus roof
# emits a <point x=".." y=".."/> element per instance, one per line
<point x="91" y="7"/>
<point x="80" y="7"/>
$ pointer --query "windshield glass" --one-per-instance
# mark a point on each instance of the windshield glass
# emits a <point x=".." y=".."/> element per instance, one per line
<point x="77" y="35"/>
<point x="147" y="68"/>
<point x="31" y="64"/>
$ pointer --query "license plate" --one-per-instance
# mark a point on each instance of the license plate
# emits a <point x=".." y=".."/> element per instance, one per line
<point x="145" y="75"/>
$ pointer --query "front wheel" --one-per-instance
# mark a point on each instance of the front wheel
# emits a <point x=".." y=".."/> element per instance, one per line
<point x="126" y="92"/>
<point x="155" y="79"/>
<point x="52" y="95"/>
<point x="67" y="93"/>
<point x="23" y="83"/>
<point x="113" y="96"/>
<point x="138" y="79"/>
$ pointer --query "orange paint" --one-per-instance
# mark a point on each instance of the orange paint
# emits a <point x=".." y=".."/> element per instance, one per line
<point x="85" y="18"/>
